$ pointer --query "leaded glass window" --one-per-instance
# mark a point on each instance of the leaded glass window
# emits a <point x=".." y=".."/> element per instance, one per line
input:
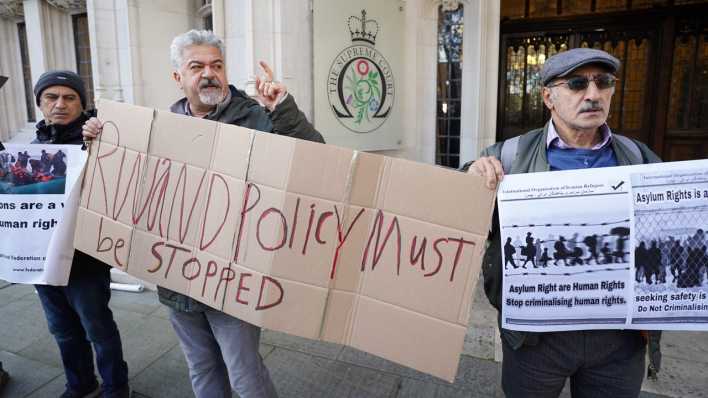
<point x="523" y="102"/>
<point x="516" y="9"/>
<point x="688" y="101"/>
<point x="449" y="87"/>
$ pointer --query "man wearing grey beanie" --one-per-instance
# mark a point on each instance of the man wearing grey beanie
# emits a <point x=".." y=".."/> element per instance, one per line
<point x="78" y="314"/>
<point x="61" y="96"/>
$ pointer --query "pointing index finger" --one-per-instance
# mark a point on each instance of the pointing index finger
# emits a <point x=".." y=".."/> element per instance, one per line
<point x="267" y="70"/>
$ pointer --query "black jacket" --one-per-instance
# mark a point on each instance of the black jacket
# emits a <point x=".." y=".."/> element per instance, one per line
<point x="70" y="134"/>
<point x="241" y="110"/>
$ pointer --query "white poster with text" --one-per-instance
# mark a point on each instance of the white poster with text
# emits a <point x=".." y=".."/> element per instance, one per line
<point x="39" y="193"/>
<point x="608" y="248"/>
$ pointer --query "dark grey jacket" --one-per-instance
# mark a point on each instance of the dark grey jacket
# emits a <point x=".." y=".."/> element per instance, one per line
<point x="82" y="264"/>
<point x="531" y="157"/>
<point x="241" y="110"/>
<point x="58" y="134"/>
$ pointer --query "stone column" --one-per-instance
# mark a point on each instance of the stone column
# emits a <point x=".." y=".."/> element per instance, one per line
<point x="418" y="75"/>
<point x="13" y="111"/>
<point x="276" y="31"/>
<point x="217" y="17"/>
<point x="426" y="60"/>
<point x="293" y="53"/>
<point x="479" y="77"/>
<point x="107" y="63"/>
<point x="35" y="35"/>
<point x="130" y="48"/>
<point x="238" y="38"/>
<point x="50" y="39"/>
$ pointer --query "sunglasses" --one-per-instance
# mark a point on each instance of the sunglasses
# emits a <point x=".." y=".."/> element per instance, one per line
<point x="579" y="83"/>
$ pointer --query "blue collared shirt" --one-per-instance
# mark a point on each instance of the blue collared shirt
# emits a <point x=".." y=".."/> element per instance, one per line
<point x="555" y="140"/>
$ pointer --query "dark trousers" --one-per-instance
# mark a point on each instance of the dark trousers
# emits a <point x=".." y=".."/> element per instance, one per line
<point x="78" y="314"/>
<point x="600" y="364"/>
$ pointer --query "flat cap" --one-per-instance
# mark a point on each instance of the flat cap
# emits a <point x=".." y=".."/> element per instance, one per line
<point x="565" y="62"/>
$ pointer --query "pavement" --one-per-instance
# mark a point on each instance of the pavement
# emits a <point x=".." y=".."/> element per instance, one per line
<point x="299" y="367"/>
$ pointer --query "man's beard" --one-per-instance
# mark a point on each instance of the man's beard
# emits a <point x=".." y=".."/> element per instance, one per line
<point x="210" y="92"/>
<point x="211" y="96"/>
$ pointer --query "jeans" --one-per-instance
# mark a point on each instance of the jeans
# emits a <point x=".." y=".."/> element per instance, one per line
<point x="78" y="314"/>
<point x="599" y="363"/>
<point x="222" y="354"/>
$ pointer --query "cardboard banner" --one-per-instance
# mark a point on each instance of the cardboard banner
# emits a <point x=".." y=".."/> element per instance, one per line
<point x="39" y="198"/>
<point x="323" y="242"/>
<point x="607" y="248"/>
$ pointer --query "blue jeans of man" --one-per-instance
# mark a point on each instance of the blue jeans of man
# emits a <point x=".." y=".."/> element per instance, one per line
<point x="222" y="354"/>
<point x="599" y="363"/>
<point x="78" y="314"/>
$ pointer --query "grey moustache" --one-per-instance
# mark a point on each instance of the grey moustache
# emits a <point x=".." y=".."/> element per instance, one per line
<point x="209" y="83"/>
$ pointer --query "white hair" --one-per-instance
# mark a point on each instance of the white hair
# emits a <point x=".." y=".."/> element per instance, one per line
<point x="193" y="38"/>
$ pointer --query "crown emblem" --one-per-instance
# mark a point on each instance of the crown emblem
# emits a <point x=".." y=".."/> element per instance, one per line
<point x="362" y="29"/>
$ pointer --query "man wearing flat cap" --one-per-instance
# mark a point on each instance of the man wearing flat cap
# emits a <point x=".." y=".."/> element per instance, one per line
<point x="577" y="89"/>
<point x="78" y="314"/>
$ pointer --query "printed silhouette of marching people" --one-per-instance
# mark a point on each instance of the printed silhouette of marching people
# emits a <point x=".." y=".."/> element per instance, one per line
<point x="619" y="253"/>
<point x="544" y="258"/>
<point x="509" y="251"/>
<point x="606" y="253"/>
<point x="591" y="243"/>
<point x="529" y="251"/>
<point x="561" y="251"/>
<point x="539" y="249"/>
<point x="571" y="252"/>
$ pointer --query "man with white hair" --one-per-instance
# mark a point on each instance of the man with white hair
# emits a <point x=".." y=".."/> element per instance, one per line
<point x="222" y="351"/>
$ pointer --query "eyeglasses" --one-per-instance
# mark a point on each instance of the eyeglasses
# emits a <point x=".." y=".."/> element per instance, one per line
<point x="579" y="83"/>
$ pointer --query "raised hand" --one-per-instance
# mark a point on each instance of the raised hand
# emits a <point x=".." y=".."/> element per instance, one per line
<point x="269" y="92"/>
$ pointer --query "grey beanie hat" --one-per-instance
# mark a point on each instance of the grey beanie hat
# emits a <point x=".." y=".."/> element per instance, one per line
<point x="61" y="78"/>
<point x="563" y="63"/>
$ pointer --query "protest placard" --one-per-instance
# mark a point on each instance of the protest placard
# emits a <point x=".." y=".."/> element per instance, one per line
<point x="607" y="248"/>
<point x="670" y="217"/>
<point x="323" y="242"/>
<point x="39" y="196"/>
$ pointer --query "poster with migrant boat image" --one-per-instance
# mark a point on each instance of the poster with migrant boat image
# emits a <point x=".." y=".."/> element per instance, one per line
<point x="39" y="190"/>
<point x="579" y="252"/>
<point x="33" y="171"/>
